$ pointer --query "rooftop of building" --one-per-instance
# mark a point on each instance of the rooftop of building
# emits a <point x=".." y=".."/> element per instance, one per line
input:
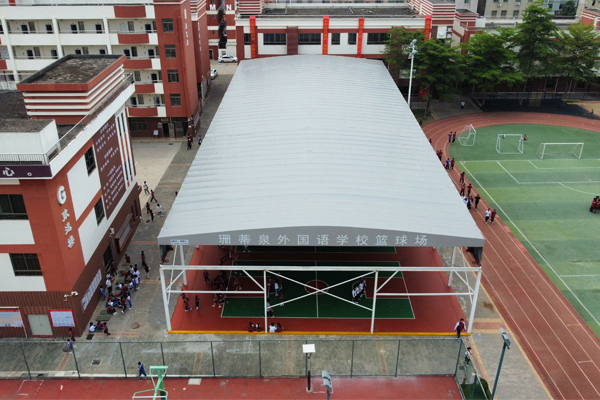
<point x="23" y="125"/>
<point x="345" y="11"/>
<point x="13" y="116"/>
<point x="441" y="2"/>
<point x="465" y="11"/>
<point x="73" y="69"/>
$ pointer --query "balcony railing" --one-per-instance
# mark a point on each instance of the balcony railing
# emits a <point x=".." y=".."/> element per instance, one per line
<point x="146" y="105"/>
<point x="63" y="142"/>
<point x="133" y="32"/>
<point x="36" y="58"/>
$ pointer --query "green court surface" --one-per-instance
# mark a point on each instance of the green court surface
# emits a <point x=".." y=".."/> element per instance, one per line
<point x="322" y="305"/>
<point x="545" y="203"/>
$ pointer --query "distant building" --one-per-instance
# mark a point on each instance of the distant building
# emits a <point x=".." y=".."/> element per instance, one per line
<point x="165" y="44"/>
<point x="69" y="196"/>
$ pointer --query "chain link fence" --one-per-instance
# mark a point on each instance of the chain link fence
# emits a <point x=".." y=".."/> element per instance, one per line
<point x="244" y="358"/>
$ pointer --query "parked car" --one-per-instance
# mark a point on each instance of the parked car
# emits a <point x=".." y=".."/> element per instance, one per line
<point x="227" y="59"/>
<point x="214" y="73"/>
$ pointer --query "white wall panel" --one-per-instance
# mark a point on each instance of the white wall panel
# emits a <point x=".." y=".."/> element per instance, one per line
<point x="10" y="283"/>
<point x="83" y="187"/>
<point x="16" y="232"/>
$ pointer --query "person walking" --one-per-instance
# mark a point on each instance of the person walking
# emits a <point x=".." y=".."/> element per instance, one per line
<point x="197" y="302"/>
<point x="141" y="370"/>
<point x="276" y="287"/>
<point x="159" y="209"/>
<point x="151" y="215"/>
<point x="152" y="196"/>
<point x="450" y="137"/>
<point x="447" y="164"/>
<point x="462" y="189"/>
<point x="453" y="138"/>
<point x="70" y="345"/>
<point x="488" y="212"/>
<point x="468" y="355"/>
<point x="146" y="188"/>
<point x="143" y="257"/>
<point x="199" y="140"/>
<point x="269" y="309"/>
<point x="102" y="293"/>
<point x="72" y="334"/>
<point x="281" y="298"/>
<point x="493" y="215"/>
<point x="127" y="259"/>
<point x="189" y="142"/>
<point x="129" y="301"/>
<point x="462" y="177"/>
<point x="147" y="268"/>
<point x="477" y="198"/>
<point x="460" y="326"/>
<point x="206" y="277"/>
<point x="106" y="329"/>
<point x="452" y="164"/>
<point x="148" y="208"/>
<point x="421" y="121"/>
<point x="109" y="285"/>
<point x="469" y="187"/>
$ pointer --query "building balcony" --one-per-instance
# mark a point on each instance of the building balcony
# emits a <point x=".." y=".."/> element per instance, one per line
<point x="137" y="38"/>
<point x="140" y="63"/>
<point x="32" y="64"/>
<point x="82" y="39"/>
<point x="144" y="87"/>
<point x="150" y="110"/>
<point x="32" y="39"/>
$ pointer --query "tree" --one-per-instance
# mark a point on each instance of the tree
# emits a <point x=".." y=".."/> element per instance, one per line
<point x="397" y="48"/>
<point x="491" y="60"/>
<point x="569" y="8"/>
<point x="440" y="67"/>
<point x="579" y="53"/>
<point x="535" y="40"/>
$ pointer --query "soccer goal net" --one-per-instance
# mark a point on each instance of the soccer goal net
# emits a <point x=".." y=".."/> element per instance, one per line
<point x="510" y="143"/>
<point x="467" y="136"/>
<point x="560" y="150"/>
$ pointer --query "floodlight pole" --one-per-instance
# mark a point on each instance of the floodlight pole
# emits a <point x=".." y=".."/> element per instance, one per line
<point x="411" y="56"/>
<point x="505" y="346"/>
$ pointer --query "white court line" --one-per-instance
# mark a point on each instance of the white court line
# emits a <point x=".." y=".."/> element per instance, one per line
<point x="536" y="167"/>
<point x="579" y="276"/>
<point x="534" y="248"/>
<point x="505" y="170"/>
<point x="577" y="190"/>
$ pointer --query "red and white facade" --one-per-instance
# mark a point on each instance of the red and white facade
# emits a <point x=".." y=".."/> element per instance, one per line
<point x="73" y="200"/>
<point x="34" y="34"/>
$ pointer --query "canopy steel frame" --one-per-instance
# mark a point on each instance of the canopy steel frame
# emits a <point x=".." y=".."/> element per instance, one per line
<point x="180" y="271"/>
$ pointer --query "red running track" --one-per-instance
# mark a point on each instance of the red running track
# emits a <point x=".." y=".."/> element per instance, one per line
<point x="558" y="342"/>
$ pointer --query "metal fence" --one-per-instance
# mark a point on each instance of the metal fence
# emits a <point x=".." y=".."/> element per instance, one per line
<point x="238" y="358"/>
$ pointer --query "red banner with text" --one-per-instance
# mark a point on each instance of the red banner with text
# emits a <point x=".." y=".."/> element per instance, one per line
<point x="361" y="27"/>
<point x="253" y="44"/>
<point x="325" y="34"/>
<point x="427" y="27"/>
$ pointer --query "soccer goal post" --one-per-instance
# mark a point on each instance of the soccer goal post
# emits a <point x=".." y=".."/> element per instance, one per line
<point x="510" y="143"/>
<point x="467" y="136"/>
<point x="559" y="150"/>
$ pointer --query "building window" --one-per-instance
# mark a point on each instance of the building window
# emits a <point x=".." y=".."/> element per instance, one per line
<point x="494" y="13"/>
<point x="108" y="258"/>
<point x="99" y="209"/>
<point x="81" y="26"/>
<point x="247" y="39"/>
<point x="134" y="52"/>
<point x="1" y="30"/>
<point x="49" y="28"/>
<point x="173" y="75"/>
<point x="85" y="50"/>
<point x="54" y="54"/>
<point x="31" y="26"/>
<point x="170" y="51"/>
<point x="138" y="124"/>
<point x="352" y="38"/>
<point x="168" y="25"/>
<point x="335" y="38"/>
<point x="309" y="38"/>
<point x="140" y="99"/>
<point x="516" y="13"/>
<point x="377" y="38"/>
<point x="12" y="206"/>
<point x="25" y="264"/>
<point x="503" y="13"/>
<point x="214" y="16"/>
<point x="78" y="52"/>
<point x="175" y="100"/>
<point x="137" y="76"/>
<point x="99" y="28"/>
<point x="90" y="160"/>
<point x="274" y="38"/>
<point x="130" y="26"/>
<point x="102" y="51"/>
<point x="74" y="28"/>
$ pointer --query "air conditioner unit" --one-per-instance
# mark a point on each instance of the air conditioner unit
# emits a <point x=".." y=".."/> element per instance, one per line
<point x="499" y="4"/>
<point x="518" y="3"/>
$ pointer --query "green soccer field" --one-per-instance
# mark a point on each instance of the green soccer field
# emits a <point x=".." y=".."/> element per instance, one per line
<point x="545" y="202"/>
<point x="322" y="305"/>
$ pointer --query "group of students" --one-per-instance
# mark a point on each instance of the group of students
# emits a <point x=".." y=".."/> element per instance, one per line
<point x="595" y="207"/>
<point x="359" y="290"/>
<point x="272" y="328"/>
<point x="131" y="282"/>
<point x="219" y="283"/>
<point x="99" y="327"/>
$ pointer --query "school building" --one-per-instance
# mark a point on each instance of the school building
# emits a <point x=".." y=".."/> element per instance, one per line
<point x="69" y="197"/>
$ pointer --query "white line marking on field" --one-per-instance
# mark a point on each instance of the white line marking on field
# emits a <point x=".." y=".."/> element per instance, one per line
<point x="489" y="196"/>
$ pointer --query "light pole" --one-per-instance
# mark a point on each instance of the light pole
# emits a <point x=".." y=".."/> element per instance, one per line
<point x="308" y="349"/>
<point x="411" y="56"/>
<point x="506" y="345"/>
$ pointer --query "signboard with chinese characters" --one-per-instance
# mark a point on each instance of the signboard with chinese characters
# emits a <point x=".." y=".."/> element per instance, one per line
<point x="11" y="319"/>
<point x="108" y="158"/>
<point x="62" y="318"/>
<point x="361" y="27"/>
<point x="325" y="34"/>
<point x="89" y="293"/>
<point x="332" y="236"/>
<point x="25" y="171"/>
<point x="253" y="38"/>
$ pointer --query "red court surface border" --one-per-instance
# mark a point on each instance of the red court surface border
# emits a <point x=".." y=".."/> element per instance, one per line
<point x="433" y="315"/>
<point x="356" y="388"/>
<point x="562" y="347"/>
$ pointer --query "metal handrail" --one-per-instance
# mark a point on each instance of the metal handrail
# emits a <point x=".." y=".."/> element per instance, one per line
<point x="63" y="142"/>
